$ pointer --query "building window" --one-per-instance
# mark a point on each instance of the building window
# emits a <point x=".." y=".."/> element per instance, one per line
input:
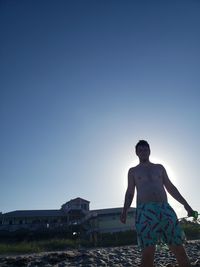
<point x="10" y="222"/>
<point x="84" y="206"/>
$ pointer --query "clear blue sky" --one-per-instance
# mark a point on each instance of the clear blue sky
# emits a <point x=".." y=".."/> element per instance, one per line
<point x="81" y="82"/>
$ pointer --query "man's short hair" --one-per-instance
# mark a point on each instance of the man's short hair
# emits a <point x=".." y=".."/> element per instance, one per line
<point x="142" y="143"/>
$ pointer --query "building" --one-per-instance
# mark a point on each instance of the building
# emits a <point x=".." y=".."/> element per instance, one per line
<point x="75" y="215"/>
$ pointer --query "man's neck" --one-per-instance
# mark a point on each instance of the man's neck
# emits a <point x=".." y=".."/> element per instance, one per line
<point x="145" y="162"/>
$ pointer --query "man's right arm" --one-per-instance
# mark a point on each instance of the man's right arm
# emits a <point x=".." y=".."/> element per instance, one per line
<point x="173" y="191"/>
<point x="128" y="196"/>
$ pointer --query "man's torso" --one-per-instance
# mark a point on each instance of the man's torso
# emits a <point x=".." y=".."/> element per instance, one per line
<point x="149" y="183"/>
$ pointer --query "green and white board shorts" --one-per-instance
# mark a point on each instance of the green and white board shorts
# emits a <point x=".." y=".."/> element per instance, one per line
<point x="156" y="222"/>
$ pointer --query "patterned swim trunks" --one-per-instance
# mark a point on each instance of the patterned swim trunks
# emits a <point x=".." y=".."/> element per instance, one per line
<point x="156" y="222"/>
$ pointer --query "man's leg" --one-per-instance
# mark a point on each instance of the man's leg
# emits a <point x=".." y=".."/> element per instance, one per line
<point x="181" y="256"/>
<point x="148" y="256"/>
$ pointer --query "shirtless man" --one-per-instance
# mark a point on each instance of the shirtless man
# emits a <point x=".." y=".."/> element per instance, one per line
<point x="155" y="219"/>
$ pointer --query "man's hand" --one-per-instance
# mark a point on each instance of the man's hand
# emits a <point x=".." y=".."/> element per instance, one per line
<point x="123" y="216"/>
<point x="190" y="211"/>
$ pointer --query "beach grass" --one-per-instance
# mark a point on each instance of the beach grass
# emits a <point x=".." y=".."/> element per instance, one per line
<point x="12" y="245"/>
<point x="37" y="246"/>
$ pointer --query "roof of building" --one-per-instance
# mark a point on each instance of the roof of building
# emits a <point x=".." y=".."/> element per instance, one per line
<point x="34" y="213"/>
<point x="79" y="198"/>
<point x="59" y="213"/>
<point x="109" y="211"/>
<point x="75" y="200"/>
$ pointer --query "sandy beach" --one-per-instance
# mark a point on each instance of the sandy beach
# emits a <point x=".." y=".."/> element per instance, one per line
<point x="112" y="256"/>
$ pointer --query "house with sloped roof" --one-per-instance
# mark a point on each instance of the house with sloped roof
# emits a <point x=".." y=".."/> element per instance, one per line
<point x="74" y="214"/>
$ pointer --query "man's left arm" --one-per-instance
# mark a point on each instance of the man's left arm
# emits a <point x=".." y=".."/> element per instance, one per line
<point x="173" y="191"/>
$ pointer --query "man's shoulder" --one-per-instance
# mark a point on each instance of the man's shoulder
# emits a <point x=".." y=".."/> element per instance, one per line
<point x="158" y="165"/>
<point x="133" y="169"/>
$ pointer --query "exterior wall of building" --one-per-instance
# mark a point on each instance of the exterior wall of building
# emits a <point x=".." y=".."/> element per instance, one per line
<point x="32" y="223"/>
<point x="111" y="223"/>
<point x="32" y="220"/>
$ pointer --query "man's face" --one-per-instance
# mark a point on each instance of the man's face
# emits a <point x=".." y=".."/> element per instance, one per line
<point x="143" y="152"/>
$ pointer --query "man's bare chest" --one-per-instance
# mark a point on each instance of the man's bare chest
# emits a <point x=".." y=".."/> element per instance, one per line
<point x="148" y="175"/>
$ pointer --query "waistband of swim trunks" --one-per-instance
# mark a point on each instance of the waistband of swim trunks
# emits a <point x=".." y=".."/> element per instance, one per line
<point x="152" y="203"/>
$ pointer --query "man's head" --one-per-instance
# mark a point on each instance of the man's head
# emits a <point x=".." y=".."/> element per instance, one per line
<point x="142" y="150"/>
